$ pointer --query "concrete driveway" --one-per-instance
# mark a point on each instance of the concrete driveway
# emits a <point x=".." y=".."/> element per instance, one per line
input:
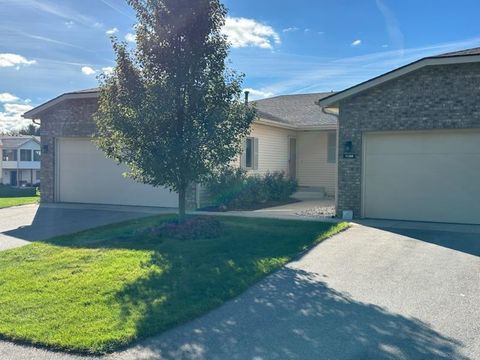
<point x="22" y="224"/>
<point x="405" y="292"/>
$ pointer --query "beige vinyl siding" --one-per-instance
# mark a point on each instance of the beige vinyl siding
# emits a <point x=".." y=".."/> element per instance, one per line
<point x="272" y="148"/>
<point x="313" y="168"/>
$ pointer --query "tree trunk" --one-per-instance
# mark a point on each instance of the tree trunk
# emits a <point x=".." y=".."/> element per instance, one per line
<point x="182" y="204"/>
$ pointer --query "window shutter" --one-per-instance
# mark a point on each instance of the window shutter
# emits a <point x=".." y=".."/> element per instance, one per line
<point x="243" y="161"/>
<point x="332" y="148"/>
<point x="255" y="154"/>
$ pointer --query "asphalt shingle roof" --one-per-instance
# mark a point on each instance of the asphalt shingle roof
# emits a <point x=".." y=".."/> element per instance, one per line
<point x="15" y="141"/>
<point x="298" y="110"/>
<point x="466" y="52"/>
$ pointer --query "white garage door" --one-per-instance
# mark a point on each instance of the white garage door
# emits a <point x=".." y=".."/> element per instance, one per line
<point x="85" y="175"/>
<point x="423" y="176"/>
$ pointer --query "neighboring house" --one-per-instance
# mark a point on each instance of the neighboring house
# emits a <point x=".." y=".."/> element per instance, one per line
<point x="292" y="134"/>
<point x="20" y="160"/>
<point x="409" y="142"/>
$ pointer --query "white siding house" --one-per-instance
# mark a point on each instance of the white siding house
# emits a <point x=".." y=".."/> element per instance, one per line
<point x="295" y="136"/>
<point x="20" y="160"/>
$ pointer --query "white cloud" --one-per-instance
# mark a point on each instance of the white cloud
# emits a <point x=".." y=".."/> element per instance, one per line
<point x="259" y="94"/>
<point x="393" y="28"/>
<point x="112" y="31"/>
<point x="357" y="42"/>
<point x="57" y="8"/>
<point x="87" y="70"/>
<point x="242" y="32"/>
<point x="107" y="70"/>
<point x="10" y="60"/>
<point x="290" y="29"/>
<point x="296" y="74"/>
<point x="7" y="98"/>
<point x="11" y="117"/>
<point x="69" y="24"/>
<point x="130" y="37"/>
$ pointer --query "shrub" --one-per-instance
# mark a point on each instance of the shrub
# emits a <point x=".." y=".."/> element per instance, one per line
<point x="9" y="191"/>
<point x="233" y="188"/>
<point x="278" y="186"/>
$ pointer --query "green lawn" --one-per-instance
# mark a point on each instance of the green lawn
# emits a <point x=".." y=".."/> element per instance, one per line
<point x="102" y="289"/>
<point x="15" y="201"/>
<point x="14" y="196"/>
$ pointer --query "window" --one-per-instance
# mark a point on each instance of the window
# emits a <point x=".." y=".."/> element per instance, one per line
<point x="36" y="155"/>
<point x="25" y="155"/>
<point x="249" y="158"/>
<point x="332" y="148"/>
<point x="9" y="155"/>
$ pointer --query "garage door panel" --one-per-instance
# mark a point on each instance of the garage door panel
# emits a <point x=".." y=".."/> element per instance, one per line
<point x="85" y="175"/>
<point x="425" y="176"/>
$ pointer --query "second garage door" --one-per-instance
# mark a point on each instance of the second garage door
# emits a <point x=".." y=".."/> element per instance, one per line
<point x="422" y="176"/>
<point x="85" y="175"/>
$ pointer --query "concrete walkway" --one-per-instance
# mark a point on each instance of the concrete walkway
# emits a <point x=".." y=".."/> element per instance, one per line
<point x="307" y="210"/>
<point x="367" y="293"/>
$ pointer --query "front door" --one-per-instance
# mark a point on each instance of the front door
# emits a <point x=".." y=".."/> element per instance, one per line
<point x="13" y="178"/>
<point x="292" y="158"/>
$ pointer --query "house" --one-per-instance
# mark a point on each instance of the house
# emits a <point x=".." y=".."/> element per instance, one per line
<point x="408" y="145"/>
<point x="20" y="160"/>
<point x="292" y="134"/>
<point x="409" y="142"/>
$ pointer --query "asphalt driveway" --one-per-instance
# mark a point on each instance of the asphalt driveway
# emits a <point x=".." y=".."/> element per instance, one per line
<point x="20" y="225"/>
<point x="405" y="292"/>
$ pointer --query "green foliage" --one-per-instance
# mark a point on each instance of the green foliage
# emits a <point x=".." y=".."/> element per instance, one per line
<point x="235" y="189"/>
<point x="278" y="186"/>
<point x="171" y="110"/>
<point x="13" y="192"/>
<point x="30" y="129"/>
<point x="102" y="289"/>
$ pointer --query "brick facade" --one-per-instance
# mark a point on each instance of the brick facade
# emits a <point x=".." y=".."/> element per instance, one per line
<point x="70" y="118"/>
<point x="433" y="97"/>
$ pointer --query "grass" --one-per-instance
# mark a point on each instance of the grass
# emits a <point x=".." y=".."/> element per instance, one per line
<point x="100" y="290"/>
<point x="12" y="196"/>
<point x="16" y="201"/>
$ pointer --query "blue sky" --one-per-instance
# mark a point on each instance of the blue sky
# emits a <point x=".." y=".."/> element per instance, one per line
<point x="49" y="47"/>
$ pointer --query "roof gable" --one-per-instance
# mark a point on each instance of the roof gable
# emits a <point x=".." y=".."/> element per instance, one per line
<point x="14" y="142"/>
<point x="459" y="57"/>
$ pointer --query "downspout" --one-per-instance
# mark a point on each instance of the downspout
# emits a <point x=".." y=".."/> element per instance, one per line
<point x="336" y="114"/>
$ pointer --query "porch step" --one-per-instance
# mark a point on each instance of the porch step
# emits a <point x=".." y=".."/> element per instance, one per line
<point x="309" y="193"/>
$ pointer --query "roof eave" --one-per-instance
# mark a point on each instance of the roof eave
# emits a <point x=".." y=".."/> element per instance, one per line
<point x="31" y="114"/>
<point x="262" y="121"/>
<point x="333" y="100"/>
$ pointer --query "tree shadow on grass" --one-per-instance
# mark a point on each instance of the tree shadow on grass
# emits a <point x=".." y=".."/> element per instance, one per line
<point x="291" y="314"/>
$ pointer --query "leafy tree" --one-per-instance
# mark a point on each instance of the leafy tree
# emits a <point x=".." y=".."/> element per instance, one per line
<point x="172" y="110"/>
<point x="30" y="129"/>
